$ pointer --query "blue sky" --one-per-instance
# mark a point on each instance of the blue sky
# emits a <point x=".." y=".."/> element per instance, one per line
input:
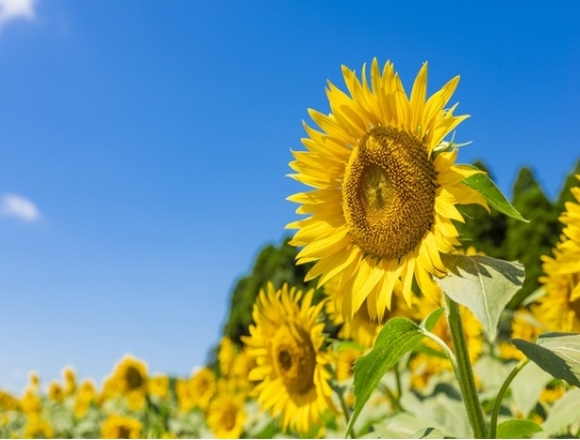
<point x="144" y="148"/>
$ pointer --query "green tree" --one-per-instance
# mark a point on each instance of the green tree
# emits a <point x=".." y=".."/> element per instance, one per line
<point x="526" y="242"/>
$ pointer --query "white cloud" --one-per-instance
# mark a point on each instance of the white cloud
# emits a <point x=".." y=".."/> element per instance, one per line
<point x="13" y="205"/>
<point x="13" y="9"/>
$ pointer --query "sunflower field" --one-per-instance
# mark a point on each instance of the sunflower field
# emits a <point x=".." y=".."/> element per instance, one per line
<point x="413" y="300"/>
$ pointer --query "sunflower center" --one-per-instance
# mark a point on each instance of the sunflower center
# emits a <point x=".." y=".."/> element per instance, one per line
<point x="124" y="432"/>
<point x="228" y="418"/>
<point x="389" y="193"/>
<point x="133" y="377"/>
<point x="295" y="359"/>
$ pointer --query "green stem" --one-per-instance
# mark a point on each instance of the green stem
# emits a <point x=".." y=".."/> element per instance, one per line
<point x="392" y="398"/>
<point x="464" y="371"/>
<point x="346" y="411"/>
<point x="399" y="386"/>
<point x="500" y="394"/>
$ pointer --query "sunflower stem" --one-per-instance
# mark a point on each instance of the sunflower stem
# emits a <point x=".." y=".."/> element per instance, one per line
<point x="464" y="370"/>
<point x="500" y="394"/>
<point x="346" y="411"/>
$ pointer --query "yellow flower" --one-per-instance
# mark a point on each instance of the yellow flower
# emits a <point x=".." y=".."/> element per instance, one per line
<point x="362" y="328"/>
<point x="8" y="402"/>
<point x="37" y="427"/>
<point x="560" y="306"/>
<point x="70" y="381"/>
<point x="226" y="415"/>
<point x="226" y="355"/>
<point x="196" y="391"/>
<point x="570" y="244"/>
<point x="385" y="189"/>
<point x="131" y="375"/>
<point x="286" y="341"/>
<point x="243" y="364"/>
<point x="55" y="392"/>
<point x="116" y="426"/>
<point x="86" y="393"/>
<point x="158" y="385"/>
<point x="345" y="360"/>
<point x="30" y="402"/>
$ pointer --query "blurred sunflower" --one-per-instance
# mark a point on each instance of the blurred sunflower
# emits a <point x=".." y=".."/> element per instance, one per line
<point x="55" y="392"/>
<point x="570" y="245"/>
<point x="37" y="427"/>
<point x="361" y="327"/>
<point x="385" y="188"/>
<point x="560" y="306"/>
<point x="116" y="426"/>
<point x="158" y="385"/>
<point x="8" y="402"/>
<point x="226" y="355"/>
<point x="70" y="381"/>
<point x="286" y="341"/>
<point x="131" y="375"/>
<point x="197" y="391"/>
<point x="226" y="415"/>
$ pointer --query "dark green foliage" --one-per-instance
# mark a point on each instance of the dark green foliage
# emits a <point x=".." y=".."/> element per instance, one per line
<point x="526" y="242"/>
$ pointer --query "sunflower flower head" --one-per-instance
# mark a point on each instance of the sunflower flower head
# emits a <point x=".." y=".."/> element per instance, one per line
<point x="226" y="415"/>
<point x="385" y="189"/>
<point x="117" y="426"/>
<point x="286" y="340"/>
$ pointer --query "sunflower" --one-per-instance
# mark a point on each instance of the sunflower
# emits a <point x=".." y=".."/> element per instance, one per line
<point x="385" y="188"/>
<point x="37" y="427"/>
<point x="226" y="415"/>
<point x="560" y="307"/>
<point x="116" y="426"/>
<point x="226" y="355"/>
<point x="70" y="381"/>
<point x="570" y="244"/>
<point x="362" y="328"/>
<point x="286" y="341"/>
<point x="8" y="402"/>
<point x="55" y="392"/>
<point x="197" y="391"/>
<point x="131" y="375"/>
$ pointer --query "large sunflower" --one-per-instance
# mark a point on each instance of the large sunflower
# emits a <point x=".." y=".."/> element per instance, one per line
<point x="286" y="341"/>
<point x="385" y="188"/>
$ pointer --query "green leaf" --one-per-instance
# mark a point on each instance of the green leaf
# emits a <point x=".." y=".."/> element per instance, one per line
<point x="430" y="321"/>
<point x="482" y="284"/>
<point x="556" y="353"/>
<point x="492" y="194"/>
<point x="562" y="414"/>
<point x="517" y="429"/>
<point x="427" y="433"/>
<point x="398" y="336"/>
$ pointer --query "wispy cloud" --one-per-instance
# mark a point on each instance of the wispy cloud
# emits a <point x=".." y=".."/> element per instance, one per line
<point x="14" y="9"/>
<point x="13" y="205"/>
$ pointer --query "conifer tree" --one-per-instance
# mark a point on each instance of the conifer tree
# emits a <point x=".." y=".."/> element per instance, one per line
<point x="526" y="242"/>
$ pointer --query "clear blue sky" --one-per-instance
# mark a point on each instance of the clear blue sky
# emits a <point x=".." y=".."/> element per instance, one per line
<point x="144" y="147"/>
